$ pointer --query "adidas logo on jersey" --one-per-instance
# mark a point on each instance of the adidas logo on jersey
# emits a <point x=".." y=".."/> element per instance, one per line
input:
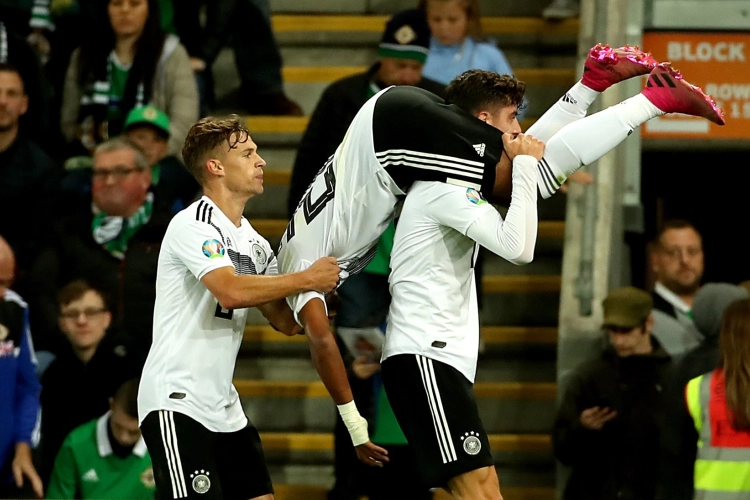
<point x="479" y="148"/>
<point x="91" y="476"/>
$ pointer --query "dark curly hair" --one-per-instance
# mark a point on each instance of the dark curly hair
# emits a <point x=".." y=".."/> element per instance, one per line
<point x="477" y="90"/>
<point x="206" y="135"/>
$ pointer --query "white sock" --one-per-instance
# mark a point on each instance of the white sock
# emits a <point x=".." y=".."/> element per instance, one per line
<point x="569" y="108"/>
<point x="586" y="140"/>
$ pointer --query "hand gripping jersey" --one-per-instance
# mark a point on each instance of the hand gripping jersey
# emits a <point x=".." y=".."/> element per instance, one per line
<point x="401" y="135"/>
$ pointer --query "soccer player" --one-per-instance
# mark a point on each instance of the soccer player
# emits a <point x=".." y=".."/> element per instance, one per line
<point x="213" y="266"/>
<point x="429" y="358"/>
<point x="403" y="135"/>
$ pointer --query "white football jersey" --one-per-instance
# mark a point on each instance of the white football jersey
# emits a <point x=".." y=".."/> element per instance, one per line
<point x="433" y="309"/>
<point x="400" y="135"/>
<point x="191" y="362"/>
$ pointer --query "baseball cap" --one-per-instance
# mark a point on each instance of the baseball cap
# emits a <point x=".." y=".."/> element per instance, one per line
<point x="627" y="307"/>
<point x="148" y="115"/>
<point x="406" y="36"/>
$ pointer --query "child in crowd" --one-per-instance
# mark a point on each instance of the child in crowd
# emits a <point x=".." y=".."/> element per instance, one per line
<point x="455" y="45"/>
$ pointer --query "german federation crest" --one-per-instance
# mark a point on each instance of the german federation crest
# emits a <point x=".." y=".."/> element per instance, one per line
<point x="213" y="249"/>
<point x="201" y="482"/>
<point x="472" y="444"/>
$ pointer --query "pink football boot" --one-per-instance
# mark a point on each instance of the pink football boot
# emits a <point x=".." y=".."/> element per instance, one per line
<point x="606" y="66"/>
<point x="669" y="92"/>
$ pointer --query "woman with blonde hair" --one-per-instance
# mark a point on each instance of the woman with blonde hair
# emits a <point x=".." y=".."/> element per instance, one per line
<point x="719" y="404"/>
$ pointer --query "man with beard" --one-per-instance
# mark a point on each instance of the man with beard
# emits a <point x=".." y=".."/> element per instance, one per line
<point x="677" y="263"/>
<point x="28" y="177"/>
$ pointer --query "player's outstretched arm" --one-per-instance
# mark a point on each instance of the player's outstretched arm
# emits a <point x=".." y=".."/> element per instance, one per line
<point x="327" y="360"/>
<point x="250" y="290"/>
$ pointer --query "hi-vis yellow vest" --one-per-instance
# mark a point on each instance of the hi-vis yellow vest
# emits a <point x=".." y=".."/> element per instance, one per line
<point x="722" y="465"/>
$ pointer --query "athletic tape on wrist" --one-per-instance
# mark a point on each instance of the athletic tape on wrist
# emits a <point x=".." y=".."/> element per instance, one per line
<point x="355" y="423"/>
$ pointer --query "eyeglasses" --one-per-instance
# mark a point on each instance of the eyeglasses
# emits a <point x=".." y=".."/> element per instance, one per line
<point x="678" y="252"/>
<point x="88" y="313"/>
<point x="117" y="172"/>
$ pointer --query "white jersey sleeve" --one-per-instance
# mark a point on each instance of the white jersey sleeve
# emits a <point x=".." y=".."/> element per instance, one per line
<point x="199" y="246"/>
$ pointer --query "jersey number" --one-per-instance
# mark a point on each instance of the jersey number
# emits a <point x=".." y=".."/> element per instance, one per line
<point x="223" y="313"/>
<point x="310" y="208"/>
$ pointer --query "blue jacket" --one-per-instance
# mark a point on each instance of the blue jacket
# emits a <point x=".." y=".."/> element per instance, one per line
<point x="19" y="386"/>
<point x="445" y="62"/>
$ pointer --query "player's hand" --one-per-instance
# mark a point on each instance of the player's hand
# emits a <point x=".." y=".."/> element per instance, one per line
<point x="595" y="418"/>
<point x="363" y="368"/>
<point x="323" y="275"/>
<point x="523" y="145"/>
<point x="372" y="454"/>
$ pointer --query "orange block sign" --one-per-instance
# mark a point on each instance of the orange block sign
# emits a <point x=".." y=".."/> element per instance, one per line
<point x="719" y="63"/>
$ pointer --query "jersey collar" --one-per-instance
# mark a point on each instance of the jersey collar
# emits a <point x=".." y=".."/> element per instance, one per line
<point x="102" y="439"/>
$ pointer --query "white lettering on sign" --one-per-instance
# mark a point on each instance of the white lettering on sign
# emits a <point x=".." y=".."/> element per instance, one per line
<point x="728" y="91"/>
<point x="706" y="51"/>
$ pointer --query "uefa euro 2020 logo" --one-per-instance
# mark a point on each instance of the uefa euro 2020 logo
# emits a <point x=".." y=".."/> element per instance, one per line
<point x="213" y="249"/>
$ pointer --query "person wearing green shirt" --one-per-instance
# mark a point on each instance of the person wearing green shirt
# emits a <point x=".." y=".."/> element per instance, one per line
<point x="107" y="457"/>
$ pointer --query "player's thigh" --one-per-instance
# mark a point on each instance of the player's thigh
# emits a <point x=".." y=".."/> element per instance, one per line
<point x="242" y="465"/>
<point x="183" y="456"/>
<point x="437" y="411"/>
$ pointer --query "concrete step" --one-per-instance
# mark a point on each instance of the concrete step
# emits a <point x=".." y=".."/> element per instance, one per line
<point x="316" y="492"/>
<point x="535" y="366"/>
<point x="305" y="406"/>
<point x="545" y="391"/>
<point x="317" y="448"/>
<point x="265" y="335"/>
<point x="347" y="23"/>
<point x="329" y="74"/>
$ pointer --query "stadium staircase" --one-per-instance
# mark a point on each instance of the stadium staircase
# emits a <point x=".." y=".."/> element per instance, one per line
<point x="516" y="388"/>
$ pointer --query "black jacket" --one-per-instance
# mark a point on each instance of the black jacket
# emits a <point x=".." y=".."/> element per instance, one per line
<point x="130" y="284"/>
<point x="28" y="190"/>
<point x="620" y="461"/>
<point x="661" y="304"/>
<point x="328" y="124"/>
<point x="74" y="393"/>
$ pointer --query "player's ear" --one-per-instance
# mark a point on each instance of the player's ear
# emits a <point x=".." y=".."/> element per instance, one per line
<point x="483" y="115"/>
<point x="215" y="167"/>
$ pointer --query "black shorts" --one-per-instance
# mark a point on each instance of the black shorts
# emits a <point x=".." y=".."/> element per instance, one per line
<point x="190" y="461"/>
<point x="435" y="406"/>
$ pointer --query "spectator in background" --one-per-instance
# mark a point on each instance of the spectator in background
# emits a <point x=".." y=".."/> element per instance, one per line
<point x="401" y="56"/>
<point x="148" y="128"/>
<point x="112" y="241"/>
<point x="246" y="24"/>
<point x="15" y="52"/>
<point x="677" y="452"/>
<point x="561" y="9"/>
<point x="107" y="457"/>
<point x="28" y="177"/>
<point x="125" y="63"/>
<point x="718" y="405"/>
<point x="19" y="397"/>
<point x="607" y="426"/>
<point x="455" y="45"/>
<point x="677" y="263"/>
<point x="78" y="384"/>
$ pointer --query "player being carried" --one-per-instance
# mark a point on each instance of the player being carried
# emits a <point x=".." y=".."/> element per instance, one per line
<point x="403" y="135"/>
